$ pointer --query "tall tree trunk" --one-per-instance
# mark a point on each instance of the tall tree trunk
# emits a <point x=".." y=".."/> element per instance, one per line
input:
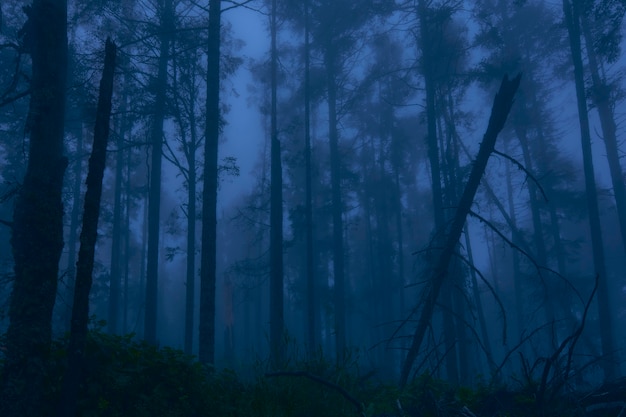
<point x="154" y="203"/>
<point x="538" y="235"/>
<point x="337" y="207"/>
<point x="191" y="245"/>
<point x="74" y="219"/>
<point x="37" y="232"/>
<point x="572" y="20"/>
<point x="515" y="238"/>
<point x="276" y="217"/>
<point x="209" y="189"/>
<point x="428" y="55"/>
<point x="601" y="98"/>
<point x="116" y="244"/>
<point x="127" y="234"/>
<point x="310" y="265"/>
<point x="88" y="237"/>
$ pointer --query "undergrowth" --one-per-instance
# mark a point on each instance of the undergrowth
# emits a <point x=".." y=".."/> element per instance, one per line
<point x="124" y="377"/>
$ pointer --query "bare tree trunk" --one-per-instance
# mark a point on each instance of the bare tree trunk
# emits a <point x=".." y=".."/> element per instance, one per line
<point x="337" y="204"/>
<point x="277" y="321"/>
<point x="310" y="264"/>
<point x="116" y="244"/>
<point x="128" y="204"/>
<point x="499" y="112"/>
<point x="208" y="258"/>
<point x="73" y="232"/>
<point x="572" y="20"/>
<point x="154" y="203"/>
<point x="37" y="230"/>
<point x="190" y="293"/>
<point x="88" y="237"/>
<point x="601" y="97"/>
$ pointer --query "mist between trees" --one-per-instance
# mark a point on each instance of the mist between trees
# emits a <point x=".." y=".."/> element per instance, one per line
<point x="414" y="206"/>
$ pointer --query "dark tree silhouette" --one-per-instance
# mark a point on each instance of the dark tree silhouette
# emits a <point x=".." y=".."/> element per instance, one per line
<point x="209" y="189"/>
<point x="154" y="196"/>
<point x="88" y="237"/>
<point x="571" y="11"/>
<point x="37" y="230"/>
<point x="276" y="213"/>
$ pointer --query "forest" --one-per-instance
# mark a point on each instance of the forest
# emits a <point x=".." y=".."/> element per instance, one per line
<point x="371" y="208"/>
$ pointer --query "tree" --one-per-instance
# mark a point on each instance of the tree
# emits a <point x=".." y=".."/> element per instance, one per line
<point x="154" y="197"/>
<point x="606" y="18"/>
<point x="187" y="113"/>
<point x="276" y="214"/>
<point x="208" y="260"/>
<point x="37" y="230"/>
<point x="310" y="262"/>
<point x="572" y="20"/>
<point x="88" y="236"/>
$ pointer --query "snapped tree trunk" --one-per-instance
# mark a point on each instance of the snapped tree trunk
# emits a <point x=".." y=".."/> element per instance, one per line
<point x="37" y="231"/>
<point x="88" y="237"/>
<point x="499" y="112"/>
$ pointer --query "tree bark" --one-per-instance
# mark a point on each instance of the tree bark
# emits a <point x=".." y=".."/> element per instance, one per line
<point x="37" y="231"/>
<point x="88" y="237"/>
<point x="209" y="189"/>
<point x="499" y="112"/>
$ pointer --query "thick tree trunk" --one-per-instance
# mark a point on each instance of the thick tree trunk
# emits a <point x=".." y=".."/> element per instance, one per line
<point x="209" y="189"/>
<point x="499" y="112"/>
<point x="276" y="217"/>
<point x="606" y="329"/>
<point x="37" y="232"/>
<point x="88" y="237"/>
<point x="154" y="196"/>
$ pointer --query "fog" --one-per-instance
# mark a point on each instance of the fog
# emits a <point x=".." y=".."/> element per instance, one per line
<point x="394" y="99"/>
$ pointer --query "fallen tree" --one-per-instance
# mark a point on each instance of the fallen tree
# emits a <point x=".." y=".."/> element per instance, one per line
<point x="499" y="112"/>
